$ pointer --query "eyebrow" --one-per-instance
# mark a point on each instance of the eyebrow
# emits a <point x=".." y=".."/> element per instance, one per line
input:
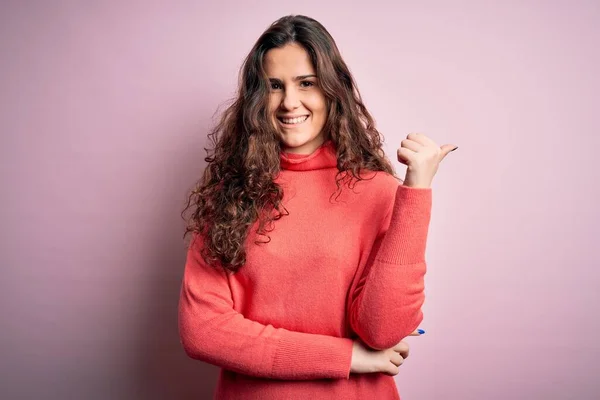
<point x="296" y="78"/>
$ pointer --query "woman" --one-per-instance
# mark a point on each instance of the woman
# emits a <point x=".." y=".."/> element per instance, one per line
<point x="306" y="264"/>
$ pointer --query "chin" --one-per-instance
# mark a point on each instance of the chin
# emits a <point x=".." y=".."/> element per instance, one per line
<point x="294" y="142"/>
<point x="300" y="144"/>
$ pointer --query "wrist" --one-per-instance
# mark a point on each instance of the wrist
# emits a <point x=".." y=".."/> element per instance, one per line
<point x="417" y="185"/>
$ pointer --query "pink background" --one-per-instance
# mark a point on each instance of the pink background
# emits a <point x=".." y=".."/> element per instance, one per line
<point x="104" y="111"/>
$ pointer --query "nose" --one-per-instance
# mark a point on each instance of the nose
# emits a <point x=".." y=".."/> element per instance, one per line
<point x="291" y="100"/>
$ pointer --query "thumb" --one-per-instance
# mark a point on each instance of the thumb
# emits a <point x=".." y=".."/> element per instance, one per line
<point x="447" y="148"/>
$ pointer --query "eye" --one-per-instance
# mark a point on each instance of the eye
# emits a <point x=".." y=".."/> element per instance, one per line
<point x="275" y="86"/>
<point x="308" y="83"/>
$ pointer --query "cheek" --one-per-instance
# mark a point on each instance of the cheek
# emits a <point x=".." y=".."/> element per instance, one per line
<point x="273" y="104"/>
<point x="318" y="106"/>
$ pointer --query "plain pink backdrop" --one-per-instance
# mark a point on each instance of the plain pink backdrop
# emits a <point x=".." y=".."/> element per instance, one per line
<point x="104" y="111"/>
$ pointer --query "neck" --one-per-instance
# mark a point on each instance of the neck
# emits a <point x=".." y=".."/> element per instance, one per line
<point x="324" y="156"/>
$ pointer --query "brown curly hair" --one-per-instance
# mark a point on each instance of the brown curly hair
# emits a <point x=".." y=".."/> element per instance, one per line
<point x="237" y="187"/>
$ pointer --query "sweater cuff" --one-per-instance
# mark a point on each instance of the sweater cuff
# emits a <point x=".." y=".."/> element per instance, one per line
<point x="324" y="357"/>
<point x="406" y="237"/>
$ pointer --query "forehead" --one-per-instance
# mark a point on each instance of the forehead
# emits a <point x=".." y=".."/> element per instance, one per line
<point x="288" y="61"/>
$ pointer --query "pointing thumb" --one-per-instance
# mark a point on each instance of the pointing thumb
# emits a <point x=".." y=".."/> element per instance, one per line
<point x="447" y="148"/>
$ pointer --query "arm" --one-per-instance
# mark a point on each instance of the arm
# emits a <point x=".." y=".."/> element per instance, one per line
<point x="212" y="331"/>
<point x="386" y="303"/>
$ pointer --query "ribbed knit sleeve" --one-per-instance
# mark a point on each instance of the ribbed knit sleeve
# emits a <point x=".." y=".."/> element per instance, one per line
<point x="386" y="302"/>
<point x="212" y="331"/>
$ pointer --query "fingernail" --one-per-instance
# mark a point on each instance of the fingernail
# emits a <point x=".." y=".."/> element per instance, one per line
<point x="421" y="331"/>
<point x="454" y="148"/>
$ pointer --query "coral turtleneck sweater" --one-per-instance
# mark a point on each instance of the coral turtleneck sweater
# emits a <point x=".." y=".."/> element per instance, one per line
<point x="282" y="327"/>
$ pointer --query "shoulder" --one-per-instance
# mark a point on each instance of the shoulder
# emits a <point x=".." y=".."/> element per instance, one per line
<point x="379" y="183"/>
<point x="377" y="189"/>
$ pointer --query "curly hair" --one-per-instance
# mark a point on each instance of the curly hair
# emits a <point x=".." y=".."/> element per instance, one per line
<point x="237" y="187"/>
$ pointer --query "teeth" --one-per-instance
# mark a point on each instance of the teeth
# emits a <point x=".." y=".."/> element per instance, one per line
<point x="294" y="120"/>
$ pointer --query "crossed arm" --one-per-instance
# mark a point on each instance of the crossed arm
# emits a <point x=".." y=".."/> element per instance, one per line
<point x="385" y="307"/>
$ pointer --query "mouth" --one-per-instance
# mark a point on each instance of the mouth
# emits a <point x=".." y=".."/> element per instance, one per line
<point x="290" y="122"/>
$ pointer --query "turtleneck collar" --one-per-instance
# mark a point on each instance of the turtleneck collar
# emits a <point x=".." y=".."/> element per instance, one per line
<point x="323" y="157"/>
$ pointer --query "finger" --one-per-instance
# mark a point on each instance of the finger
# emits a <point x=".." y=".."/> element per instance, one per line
<point x="397" y="359"/>
<point x="419" y="138"/>
<point x="392" y="370"/>
<point x="404" y="354"/>
<point x="405" y="155"/>
<point x="402" y="348"/>
<point x="447" y="148"/>
<point x="418" y="332"/>
<point x="411" y="145"/>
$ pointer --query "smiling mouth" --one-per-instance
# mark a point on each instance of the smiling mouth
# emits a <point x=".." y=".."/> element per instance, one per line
<point x="292" y="121"/>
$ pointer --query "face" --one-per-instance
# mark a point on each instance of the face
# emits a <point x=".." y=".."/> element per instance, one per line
<point x="297" y="103"/>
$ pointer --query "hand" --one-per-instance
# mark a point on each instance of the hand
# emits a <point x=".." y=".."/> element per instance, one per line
<point x="366" y="360"/>
<point x="422" y="156"/>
